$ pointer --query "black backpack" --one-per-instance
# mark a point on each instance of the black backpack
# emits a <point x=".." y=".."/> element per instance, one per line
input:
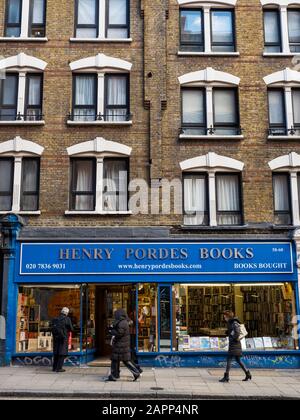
<point x="58" y="328"/>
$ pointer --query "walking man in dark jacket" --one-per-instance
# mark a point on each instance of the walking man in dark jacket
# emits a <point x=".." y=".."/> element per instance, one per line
<point x="235" y="346"/>
<point x="121" y="351"/>
<point x="61" y="327"/>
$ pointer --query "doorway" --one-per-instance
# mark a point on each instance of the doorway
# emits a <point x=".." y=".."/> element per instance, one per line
<point x="109" y="298"/>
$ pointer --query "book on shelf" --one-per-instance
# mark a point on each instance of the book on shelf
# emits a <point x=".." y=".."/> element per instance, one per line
<point x="267" y="342"/>
<point x="214" y="343"/>
<point x="259" y="343"/>
<point x="195" y="343"/>
<point x="204" y="343"/>
<point x="223" y="343"/>
<point x="250" y="344"/>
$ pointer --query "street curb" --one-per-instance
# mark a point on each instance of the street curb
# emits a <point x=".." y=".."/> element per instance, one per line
<point x="136" y="395"/>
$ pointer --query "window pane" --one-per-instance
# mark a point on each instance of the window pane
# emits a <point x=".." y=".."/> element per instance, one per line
<point x="271" y="26"/>
<point x="147" y="317"/>
<point x="296" y="106"/>
<point x="38" y="11"/>
<point x="85" y="90"/>
<point x="87" y="12"/>
<point x="117" y="12"/>
<point x="193" y="106"/>
<point x="37" y="307"/>
<point x="115" y="185"/>
<point x="281" y="192"/>
<point x="30" y="169"/>
<point x="222" y="27"/>
<point x="116" y="90"/>
<point x="267" y="312"/>
<point x="83" y="182"/>
<point x="86" y="33"/>
<point x="165" y="318"/>
<point x="34" y="90"/>
<point x="276" y="107"/>
<point x="9" y="90"/>
<point x="14" y="11"/>
<point x="228" y="199"/>
<point x="117" y="33"/>
<point x="6" y="178"/>
<point x="191" y="26"/>
<point x="294" y="26"/>
<point x="195" y="200"/>
<point x="225" y="106"/>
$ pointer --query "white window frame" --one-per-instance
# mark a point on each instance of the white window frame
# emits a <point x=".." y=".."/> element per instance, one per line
<point x="283" y="6"/>
<point x="211" y="164"/>
<point x="99" y="149"/>
<point x="286" y="79"/>
<point x="206" y="6"/>
<point x="24" y="27"/>
<point x="290" y="164"/>
<point x="22" y="64"/>
<point x="209" y="79"/>
<point x="100" y="64"/>
<point x="102" y="28"/>
<point x="18" y="149"/>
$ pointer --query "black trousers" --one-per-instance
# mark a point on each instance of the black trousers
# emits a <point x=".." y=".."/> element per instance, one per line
<point x="238" y="360"/>
<point x="58" y="362"/>
<point x="115" y="368"/>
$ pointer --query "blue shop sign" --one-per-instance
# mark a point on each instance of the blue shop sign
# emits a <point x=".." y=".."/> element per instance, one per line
<point x="146" y="259"/>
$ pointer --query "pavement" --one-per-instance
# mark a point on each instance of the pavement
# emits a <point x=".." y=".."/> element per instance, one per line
<point x="169" y="383"/>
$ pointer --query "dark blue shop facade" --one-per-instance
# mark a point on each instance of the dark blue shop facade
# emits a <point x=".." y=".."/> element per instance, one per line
<point x="176" y="293"/>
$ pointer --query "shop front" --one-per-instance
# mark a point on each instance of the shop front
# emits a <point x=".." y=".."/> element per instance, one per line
<point x="175" y="293"/>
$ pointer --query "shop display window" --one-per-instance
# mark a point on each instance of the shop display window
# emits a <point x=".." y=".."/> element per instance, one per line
<point x="268" y="312"/>
<point x="89" y="311"/>
<point x="147" y="318"/>
<point x="37" y="306"/>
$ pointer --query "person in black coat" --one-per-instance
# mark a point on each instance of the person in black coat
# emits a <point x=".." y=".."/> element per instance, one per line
<point x="61" y="327"/>
<point x="235" y="346"/>
<point x="121" y="349"/>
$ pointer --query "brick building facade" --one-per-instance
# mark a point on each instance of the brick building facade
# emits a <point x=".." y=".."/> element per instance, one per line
<point x="163" y="57"/>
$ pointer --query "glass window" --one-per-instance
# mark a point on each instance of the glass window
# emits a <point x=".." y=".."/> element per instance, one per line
<point x="294" y="30"/>
<point x="6" y="183"/>
<point x="30" y="184"/>
<point x="115" y="185"/>
<point x="193" y="111"/>
<point x="89" y="318"/>
<point x="37" y="306"/>
<point x="116" y="98"/>
<point x="296" y="110"/>
<point x="33" y="105"/>
<point x="13" y="18"/>
<point x="147" y="317"/>
<point x="83" y="184"/>
<point x="87" y="19"/>
<point x="282" y="201"/>
<point x="165" y="318"/>
<point x="228" y="199"/>
<point x="8" y="97"/>
<point x="37" y="24"/>
<point x="226" y="120"/>
<point x="277" y="112"/>
<point x="222" y="28"/>
<point x="85" y="94"/>
<point x="192" y="38"/>
<point x="195" y="199"/>
<point x="267" y="312"/>
<point x="117" y="19"/>
<point x="272" y="31"/>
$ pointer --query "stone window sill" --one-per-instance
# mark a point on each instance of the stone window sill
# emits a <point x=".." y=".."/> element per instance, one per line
<point x="289" y="138"/>
<point x="282" y="54"/>
<point x="25" y="213"/>
<point x="12" y="39"/>
<point x="22" y="122"/>
<point x="210" y="137"/>
<point x="69" y="122"/>
<point x="97" y="213"/>
<point x="222" y="54"/>
<point x="86" y="40"/>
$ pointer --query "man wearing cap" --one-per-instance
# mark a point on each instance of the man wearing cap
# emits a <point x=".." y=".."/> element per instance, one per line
<point x="61" y="327"/>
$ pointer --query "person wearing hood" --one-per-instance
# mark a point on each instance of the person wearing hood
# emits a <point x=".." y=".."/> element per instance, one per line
<point x="121" y="351"/>
<point x="235" y="346"/>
